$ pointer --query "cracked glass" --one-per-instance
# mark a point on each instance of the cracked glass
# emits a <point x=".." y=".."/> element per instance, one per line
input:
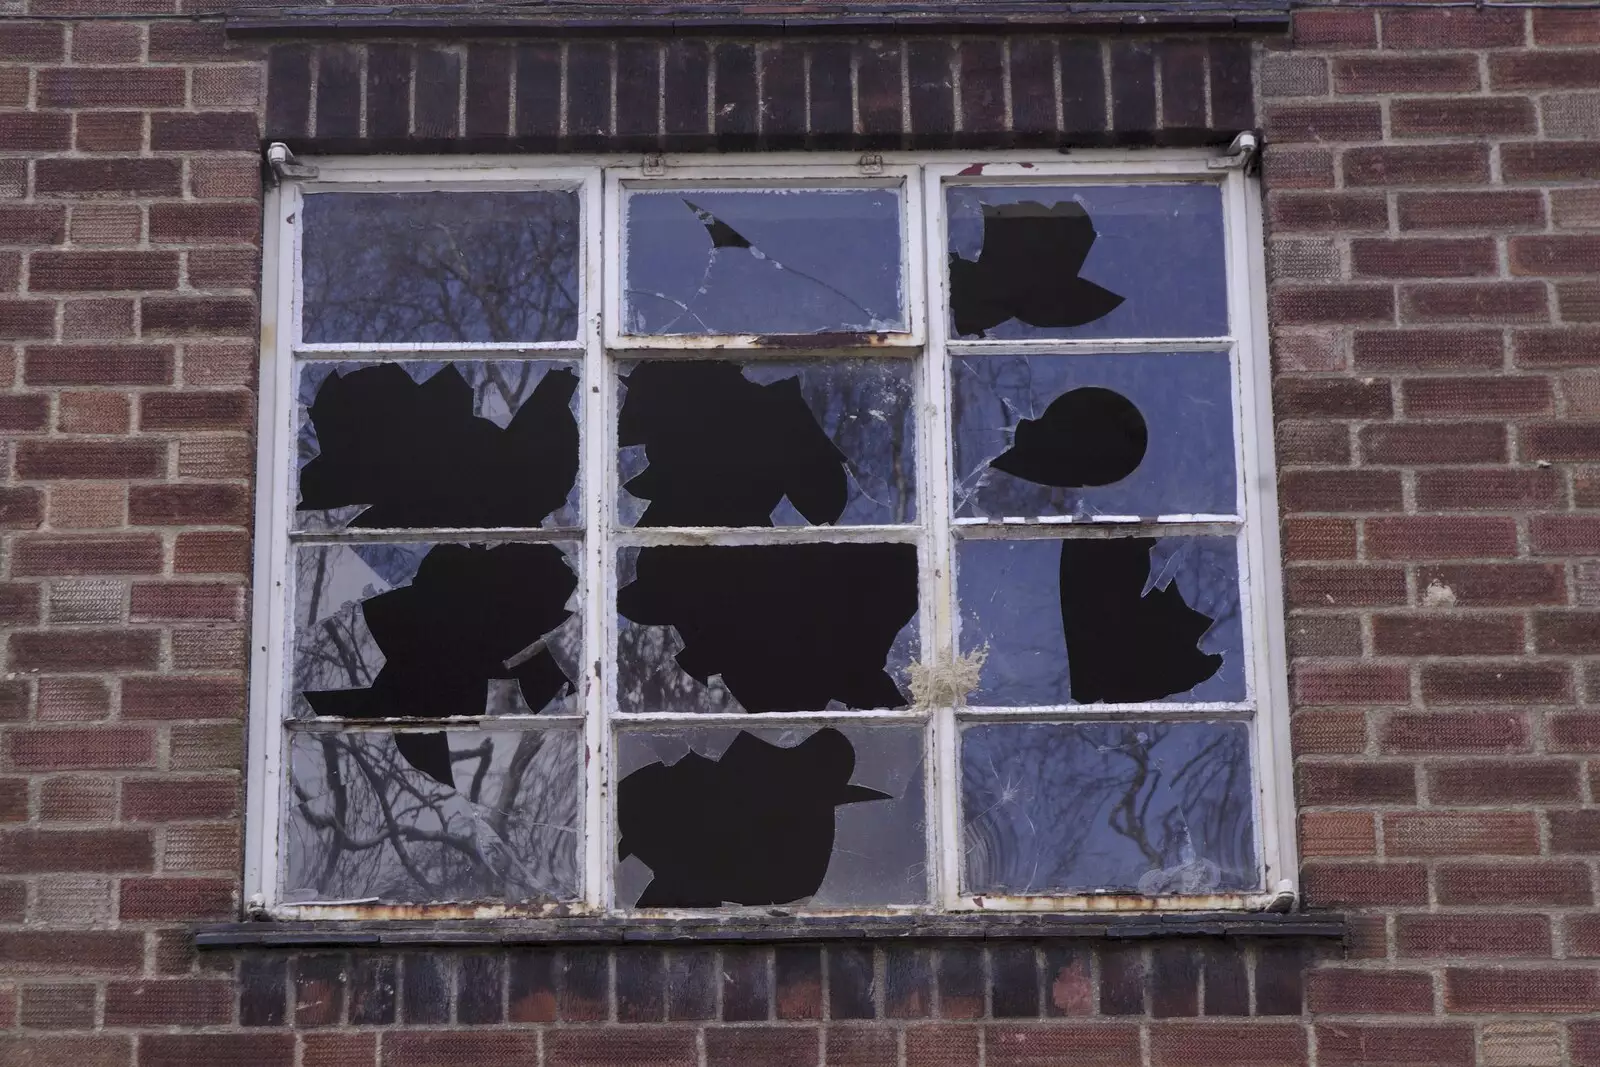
<point x="436" y="631"/>
<point x="1145" y="807"/>
<point x="717" y="443"/>
<point x="763" y="261"/>
<point x="821" y="817"/>
<point x="1114" y="620"/>
<point x="498" y="819"/>
<point x="1081" y="436"/>
<point x="1032" y="261"/>
<point x="440" y="267"/>
<point x="428" y="443"/>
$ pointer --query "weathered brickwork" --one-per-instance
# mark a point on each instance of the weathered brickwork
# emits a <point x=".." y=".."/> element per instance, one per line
<point x="1434" y="258"/>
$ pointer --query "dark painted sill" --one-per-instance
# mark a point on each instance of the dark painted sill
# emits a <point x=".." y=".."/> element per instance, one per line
<point x="627" y="18"/>
<point x="508" y="932"/>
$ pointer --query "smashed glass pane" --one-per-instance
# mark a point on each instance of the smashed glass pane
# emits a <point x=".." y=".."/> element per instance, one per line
<point x="436" y="630"/>
<point x="763" y="261"/>
<point x="365" y="824"/>
<point x="758" y="628"/>
<point x="1087" y="261"/>
<point x="1152" y="808"/>
<point x="416" y="444"/>
<point x="820" y="817"/>
<point x="1138" y="434"/>
<point x="1116" y="620"/>
<point x="713" y="443"/>
<point x="440" y="267"/>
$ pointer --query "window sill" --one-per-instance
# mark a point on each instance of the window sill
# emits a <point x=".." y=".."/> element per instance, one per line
<point x="754" y="929"/>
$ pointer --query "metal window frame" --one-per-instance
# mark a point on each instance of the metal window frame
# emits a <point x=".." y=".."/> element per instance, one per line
<point x="602" y="180"/>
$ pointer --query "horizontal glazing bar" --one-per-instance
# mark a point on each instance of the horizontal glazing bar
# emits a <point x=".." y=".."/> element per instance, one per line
<point x="459" y="533"/>
<point x="1085" y="345"/>
<point x="762" y="535"/>
<point x="438" y="349"/>
<point x="1111" y="712"/>
<point x="326" y="724"/>
<point x="1128" y="528"/>
<point x="1098" y="520"/>
<point x="770" y="718"/>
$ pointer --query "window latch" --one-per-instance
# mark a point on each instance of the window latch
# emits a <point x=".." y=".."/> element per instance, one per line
<point x="871" y="164"/>
<point x="1240" y="155"/>
<point x="654" y="165"/>
<point x="284" y="165"/>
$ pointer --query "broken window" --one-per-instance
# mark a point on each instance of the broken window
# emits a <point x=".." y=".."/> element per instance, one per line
<point x="763" y="261"/>
<point x="763" y="536"/>
<point x="1087" y="261"/>
<point x="443" y="266"/>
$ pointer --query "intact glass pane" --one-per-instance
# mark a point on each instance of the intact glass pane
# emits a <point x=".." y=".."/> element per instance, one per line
<point x="1086" y="261"/>
<point x="716" y="443"/>
<point x="759" y="628"/>
<point x="434" y="631"/>
<point x="1114" y="620"/>
<point x="1144" y="807"/>
<point x="1052" y="435"/>
<point x="419" y="816"/>
<point x="440" y="267"/>
<point x="816" y="817"/>
<point x="762" y="261"/>
<point x="413" y="443"/>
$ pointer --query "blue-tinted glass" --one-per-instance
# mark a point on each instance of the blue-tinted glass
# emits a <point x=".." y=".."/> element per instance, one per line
<point x="486" y="443"/>
<point x="1137" y="619"/>
<point x="814" y="817"/>
<point x="440" y="267"/>
<point x="763" y="261"/>
<point x="1153" y="808"/>
<point x="715" y="443"/>
<point x="364" y="822"/>
<point x="1087" y="261"/>
<point x="1074" y="413"/>
<point x="372" y="641"/>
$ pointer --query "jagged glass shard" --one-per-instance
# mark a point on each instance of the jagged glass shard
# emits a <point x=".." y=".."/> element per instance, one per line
<point x="1055" y="435"/>
<point x="807" y="816"/>
<point x="715" y="443"/>
<point x="420" y="443"/>
<point x="436" y="630"/>
<point x="763" y="261"/>
<point x="1095" y="619"/>
<point x="1086" y="261"/>
<point x="1145" y="807"/>
<point x="364" y="822"/>
<point x="759" y="628"/>
<point x="440" y="267"/>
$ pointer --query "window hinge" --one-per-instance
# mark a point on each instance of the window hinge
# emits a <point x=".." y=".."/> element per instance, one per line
<point x="654" y="165"/>
<point x="871" y="163"/>
<point x="284" y="165"/>
<point x="1283" y="898"/>
<point x="1240" y="154"/>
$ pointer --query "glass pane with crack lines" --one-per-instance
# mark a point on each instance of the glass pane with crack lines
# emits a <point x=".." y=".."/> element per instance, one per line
<point x="419" y="816"/>
<point x="435" y="631"/>
<point x="716" y="443"/>
<point x="763" y="261"/>
<point x="440" y="267"/>
<point x="415" y="443"/>
<point x="1115" y="620"/>
<point x="1134" y="807"/>
<point x="1086" y="261"/>
<point x="807" y="816"/>
<point x="759" y="628"/>
<point x="1054" y="435"/>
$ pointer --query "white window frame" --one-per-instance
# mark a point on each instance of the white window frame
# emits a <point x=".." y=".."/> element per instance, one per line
<point x="923" y="176"/>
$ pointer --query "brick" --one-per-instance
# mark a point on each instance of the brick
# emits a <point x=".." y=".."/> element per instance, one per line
<point x="39" y="851"/>
<point x="339" y="1050"/>
<point x="72" y="952"/>
<point x="1574" y="209"/>
<point x="186" y="504"/>
<point x="65" y="1051"/>
<point x="1461" y="210"/>
<point x="1328" y="212"/>
<point x="1132" y="85"/>
<point x="1333" y="304"/>
<point x="1508" y="683"/>
<point x="1319" y="539"/>
<point x="1419" y="445"/>
<point x="1036" y="1046"/>
<point x="602" y="1048"/>
<point x="110" y="131"/>
<point x="1356" y="783"/>
<point x="1359" y="684"/>
<point x="24" y="414"/>
<point x="1335" y="29"/>
<point x="318" y="985"/>
<point x="1338" y="833"/>
<point x="783" y="97"/>
<point x="210" y="410"/>
<point x="1423" y="258"/>
<point x="692" y="989"/>
<point x="34" y="42"/>
<point x="1460" y="834"/>
<point x="850" y="983"/>
<point x="1521" y="781"/>
<point x="98" y="365"/>
<point x="1342" y="491"/>
<point x="1034" y="98"/>
<point x="1123" y="979"/>
<point x="797" y="975"/>
<point x="1424" y="29"/>
<point x="162" y="800"/>
<point x="1241" y="1044"/>
<point x="58" y="1007"/>
<point x="1324" y="635"/>
<point x="1565" y="28"/>
<point x="96" y="413"/>
<point x="1544" y="70"/>
<point x="182" y="315"/>
<point x="27" y="320"/>
<point x="855" y="1046"/>
<point x="1472" y="935"/>
<point x="1304" y="168"/>
<point x="1554" y="256"/>
<point x="33" y="224"/>
<point x="1506" y="989"/>
<point x="254" y="1049"/>
<point x="202" y="223"/>
<point x="1550" y="161"/>
<point x="1308" y="443"/>
<point x="1363" y="884"/>
<point x="371" y="984"/>
<point x="941" y="1046"/>
<point x="1523" y="883"/>
<point x="1485" y="490"/>
<point x="1366" y="75"/>
<point x="1574" y="831"/>
<point x="1324" y="122"/>
<point x="1332" y="398"/>
<point x="1481" y="396"/>
<point x="48" y="460"/>
<point x="206" y="131"/>
<point x="687" y="102"/>
<point x="425" y="992"/>
<point x="780" y="1047"/>
<point x="79" y="650"/>
<point x="1292" y="74"/>
<point x="1496" y="301"/>
<point x="1438" y="635"/>
<point x="641" y="985"/>
<point x="81" y="87"/>
<point x="180" y="1002"/>
<point x="79" y="272"/>
<point x="1567" y="632"/>
<point x="832" y="108"/>
<point x="1345" y="1044"/>
<point x="1459" y="164"/>
<point x="1561" y="535"/>
<point x="746" y="993"/>
<point x="59" y="556"/>
<point x="73" y="699"/>
<point x="1349" y="990"/>
<point x="1458" y="732"/>
<point x="1423" y="537"/>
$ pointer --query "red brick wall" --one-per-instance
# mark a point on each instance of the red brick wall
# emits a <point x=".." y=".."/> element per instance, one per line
<point x="1435" y="262"/>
